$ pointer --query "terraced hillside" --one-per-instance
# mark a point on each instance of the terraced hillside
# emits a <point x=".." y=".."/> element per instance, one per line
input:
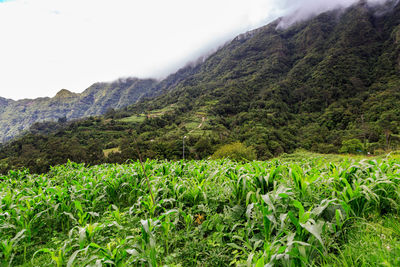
<point x="330" y="84"/>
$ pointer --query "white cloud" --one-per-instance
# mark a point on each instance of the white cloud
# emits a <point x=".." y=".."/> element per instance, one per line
<point x="304" y="9"/>
<point x="47" y="45"/>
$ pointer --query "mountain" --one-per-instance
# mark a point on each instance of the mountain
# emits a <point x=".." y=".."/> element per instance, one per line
<point x="16" y="116"/>
<point x="328" y="84"/>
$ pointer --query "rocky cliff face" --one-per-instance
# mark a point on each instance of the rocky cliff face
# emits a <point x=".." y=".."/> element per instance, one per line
<point x="16" y="116"/>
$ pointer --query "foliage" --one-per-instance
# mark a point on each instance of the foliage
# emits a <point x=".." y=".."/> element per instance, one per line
<point x="313" y="85"/>
<point x="235" y="151"/>
<point x="98" y="99"/>
<point x="291" y="212"/>
<point x="370" y="243"/>
<point x="353" y="146"/>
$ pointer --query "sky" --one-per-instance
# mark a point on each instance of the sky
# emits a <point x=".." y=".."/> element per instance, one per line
<point x="48" y="45"/>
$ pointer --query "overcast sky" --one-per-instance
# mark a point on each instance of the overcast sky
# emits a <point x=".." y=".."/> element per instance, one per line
<point x="47" y="45"/>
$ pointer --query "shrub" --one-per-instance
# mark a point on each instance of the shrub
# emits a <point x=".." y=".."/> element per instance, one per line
<point x="235" y="151"/>
<point x="325" y="148"/>
<point x="353" y="146"/>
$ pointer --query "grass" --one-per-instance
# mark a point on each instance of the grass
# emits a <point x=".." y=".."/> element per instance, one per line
<point x="372" y="242"/>
<point x="139" y="118"/>
<point x="193" y="125"/>
<point x="160" y="112"/>
<point x="107" y="152"/>
<point x="196" y="124"/>
<point x="134" y="119"/>
<point x="301" y="210"/>
<point x="303" y="155"/>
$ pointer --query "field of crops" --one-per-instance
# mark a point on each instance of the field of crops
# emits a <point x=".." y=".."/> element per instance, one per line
<point x="205" y="213"/>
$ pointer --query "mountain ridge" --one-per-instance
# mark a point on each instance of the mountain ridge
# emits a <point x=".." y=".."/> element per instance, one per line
<point x="319" y="85"/>
<point x="19" y="115"/>
<point x="64" y="93"/>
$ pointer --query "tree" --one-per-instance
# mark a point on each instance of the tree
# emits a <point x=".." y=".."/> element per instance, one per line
<point x="203" y="147"/>
<point x="388" y="123"/>
<point x="235" y="151"/>
<point x="353" y="146"/>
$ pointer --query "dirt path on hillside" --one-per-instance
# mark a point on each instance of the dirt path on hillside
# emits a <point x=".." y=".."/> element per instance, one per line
<point x="203" y="119"/>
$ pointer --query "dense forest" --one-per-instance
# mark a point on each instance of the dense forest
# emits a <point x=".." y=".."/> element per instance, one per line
<point x="330" y="84"/>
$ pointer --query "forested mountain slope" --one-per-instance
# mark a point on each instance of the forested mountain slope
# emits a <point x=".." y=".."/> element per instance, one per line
<point x="16" y="116"/>
<point x="316" y="85"/>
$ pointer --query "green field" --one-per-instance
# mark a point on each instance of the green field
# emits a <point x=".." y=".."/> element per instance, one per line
<point x="107" y="152"/>
<point x="293" y="211"/>
<point x="134" y="119"/>
<point x="139" y="118"/>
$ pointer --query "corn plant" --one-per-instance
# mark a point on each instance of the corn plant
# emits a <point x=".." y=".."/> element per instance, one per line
<point x="186" y="213"/>
<point x="8" y="248"/>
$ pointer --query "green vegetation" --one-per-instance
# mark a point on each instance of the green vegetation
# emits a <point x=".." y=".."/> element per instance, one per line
<point x="205" y="213"/>
<point x="372" y="242"/>
<point x="98" y="99"/>
<point x="327" y="85"/>
<point x="134" y="119"/>
<point x="107" y="152"/>
<point x="235" y="151"/>
<point x="353" y="146"/>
